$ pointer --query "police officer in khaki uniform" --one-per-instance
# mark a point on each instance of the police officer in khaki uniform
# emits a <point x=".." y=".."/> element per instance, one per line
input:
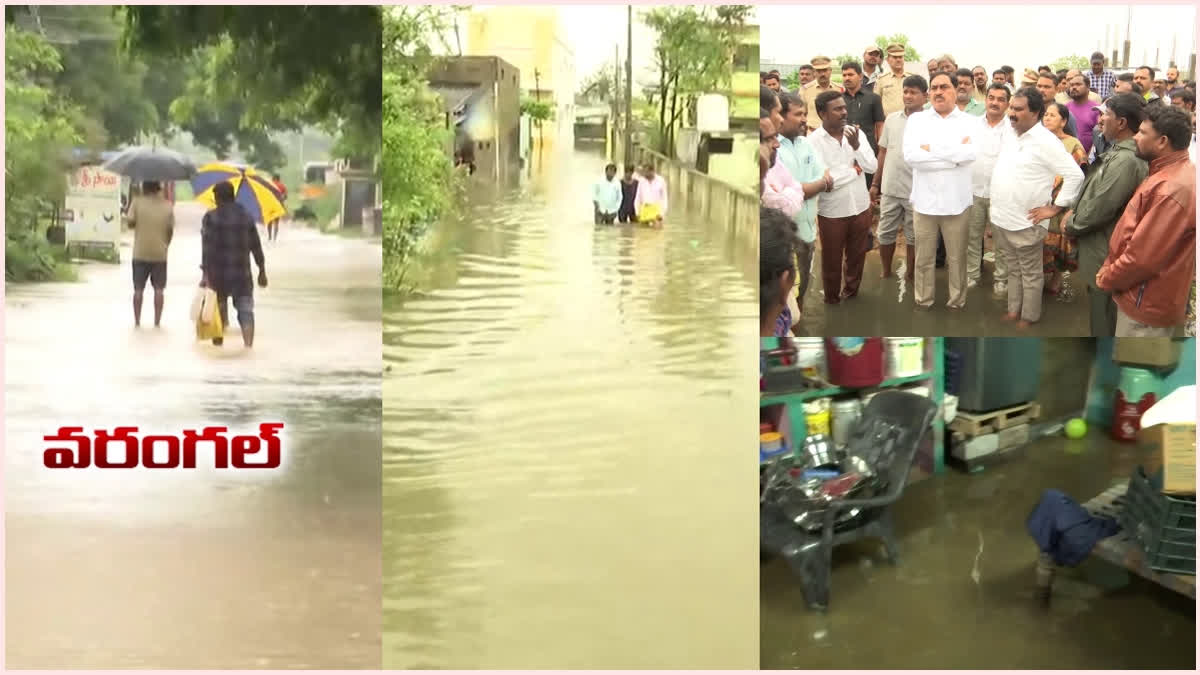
<point x="824" y="68"/>
<point x="890" y="85"/>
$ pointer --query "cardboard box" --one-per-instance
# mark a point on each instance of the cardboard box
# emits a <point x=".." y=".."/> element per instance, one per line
<point x="1171" y="448"/>
<point x="1148" y="352"/>
<point x="1168" y="441"/>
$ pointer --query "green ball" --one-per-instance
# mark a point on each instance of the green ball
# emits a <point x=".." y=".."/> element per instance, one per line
<point x="1076" y="429"/>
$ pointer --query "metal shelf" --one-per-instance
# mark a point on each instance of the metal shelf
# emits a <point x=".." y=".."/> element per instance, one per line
<point x="934" y="355"/>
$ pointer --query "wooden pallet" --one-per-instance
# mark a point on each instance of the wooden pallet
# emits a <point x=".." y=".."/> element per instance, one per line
<point x="977" y="424"/>
<point x="985" y="462"/>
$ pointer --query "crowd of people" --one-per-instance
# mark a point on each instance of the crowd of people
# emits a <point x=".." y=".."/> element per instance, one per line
<point x="1090" y="173"/>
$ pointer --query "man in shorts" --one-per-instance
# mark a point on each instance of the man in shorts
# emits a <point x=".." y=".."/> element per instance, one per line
<point x="891" y="186"/>
<point x="152" y="219"/>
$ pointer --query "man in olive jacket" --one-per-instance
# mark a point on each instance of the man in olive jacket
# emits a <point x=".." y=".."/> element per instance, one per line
<point x="1107" y="188"/>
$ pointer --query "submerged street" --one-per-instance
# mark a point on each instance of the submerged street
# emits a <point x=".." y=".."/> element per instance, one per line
<point x="550" y="500"/>
<point x="190" y="569"/>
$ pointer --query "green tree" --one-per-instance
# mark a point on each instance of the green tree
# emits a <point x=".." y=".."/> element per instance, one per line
<point x="911" y="55"/>
<point x="38" y="133"/>
<point x="417" y="173"/>
<point x="1078" y="62"/>
<point x="286" y="65"/>
<point x="694" y="55"/>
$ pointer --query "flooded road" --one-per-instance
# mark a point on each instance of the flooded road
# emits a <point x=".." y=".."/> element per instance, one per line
<point x="187" y="569"/>
<point x="566" y="445"/>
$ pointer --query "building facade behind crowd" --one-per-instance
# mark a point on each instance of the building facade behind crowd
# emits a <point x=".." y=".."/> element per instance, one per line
<point x="1109" y="187"/>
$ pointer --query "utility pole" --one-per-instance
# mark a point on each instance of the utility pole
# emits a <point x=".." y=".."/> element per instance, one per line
<point x="1128" y="24"/>
<point x="628" y="86"/>
<point x="616" y="101"/>
<point x="537" y="95"/>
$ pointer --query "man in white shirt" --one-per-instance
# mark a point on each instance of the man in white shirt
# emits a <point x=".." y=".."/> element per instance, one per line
<point x="994" y="127"/>
<point x="843" y="213"/>
<point x="1021" y="210"/>
<point x="938" y="146"/>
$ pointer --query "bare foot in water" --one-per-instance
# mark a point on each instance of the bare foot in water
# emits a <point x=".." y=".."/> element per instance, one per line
<point x="1011" y="316"/>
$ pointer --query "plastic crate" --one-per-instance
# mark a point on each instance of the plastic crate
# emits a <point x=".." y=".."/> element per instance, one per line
<point x="1165" y="526"/>
<point x="952" y="363"/>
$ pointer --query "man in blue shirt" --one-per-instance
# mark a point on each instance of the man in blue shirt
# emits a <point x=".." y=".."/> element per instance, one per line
<point x="801" y="160"/>
<point x="606" y="197"/>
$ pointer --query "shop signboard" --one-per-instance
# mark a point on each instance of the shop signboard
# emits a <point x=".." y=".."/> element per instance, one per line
<point x="92" y="209"/>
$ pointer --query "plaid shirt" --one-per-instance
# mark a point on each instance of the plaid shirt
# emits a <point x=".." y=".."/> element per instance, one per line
<point x="229" y="238"/>
<point x="1102" y="84"/>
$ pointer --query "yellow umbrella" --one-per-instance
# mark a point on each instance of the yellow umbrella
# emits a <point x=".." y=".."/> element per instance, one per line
<point x="251" y="189"/>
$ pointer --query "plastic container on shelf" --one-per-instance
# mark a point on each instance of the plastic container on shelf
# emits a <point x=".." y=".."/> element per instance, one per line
<point x="846" y="413"/>
<point x="770" y="442"/>
<point x="854" y="362"/>
<point x="810" y="356"/>
<point x="1137" y="391"/>
<point x="817" y="416"/>
<point x="905" y="356"/>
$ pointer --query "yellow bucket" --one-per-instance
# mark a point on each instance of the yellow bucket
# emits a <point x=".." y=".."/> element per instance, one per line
<point x="649" y="213"/>
<point x="817" y="417"/>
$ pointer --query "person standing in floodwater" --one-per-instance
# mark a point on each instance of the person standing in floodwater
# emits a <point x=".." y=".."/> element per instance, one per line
<point x="152" y="218"/>
<point x="606" y="197"/>
<point x="651" y="200"/>
<point x="273" y="226"/>
<point x="629" y="187"/>
<point x="229" y="237"/>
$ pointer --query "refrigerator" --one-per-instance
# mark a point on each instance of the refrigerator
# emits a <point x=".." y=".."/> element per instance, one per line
<point x="993" y="373"/>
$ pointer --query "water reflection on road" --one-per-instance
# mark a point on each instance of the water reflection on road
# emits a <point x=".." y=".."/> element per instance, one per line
<point x="565" y="429"/>
<point x="115" y="569"/>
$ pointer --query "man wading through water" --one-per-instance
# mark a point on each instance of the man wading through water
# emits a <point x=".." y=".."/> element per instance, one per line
<point x="153" y="221"/>
<point x="229" y="238"/>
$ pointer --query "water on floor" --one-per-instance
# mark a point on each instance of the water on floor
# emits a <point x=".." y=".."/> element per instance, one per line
<point x="962" y="595"/>
<point x="885" y="307"/>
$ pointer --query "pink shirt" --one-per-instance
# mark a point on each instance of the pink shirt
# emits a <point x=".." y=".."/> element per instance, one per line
<point x="1086" y="117"/>
<point x="651" y="192"/>
<point x="782" y="191"/>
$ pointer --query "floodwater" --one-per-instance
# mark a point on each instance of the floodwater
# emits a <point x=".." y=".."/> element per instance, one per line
<point x="885" y="307"/>
<point x="188" y="569"/>
<point x="565" y="445"/>
<point x="931" y="612"/>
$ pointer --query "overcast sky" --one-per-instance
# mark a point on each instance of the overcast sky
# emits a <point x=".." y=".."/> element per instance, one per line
<point x="593" y="30"/>
<point x="1017" y="35"/>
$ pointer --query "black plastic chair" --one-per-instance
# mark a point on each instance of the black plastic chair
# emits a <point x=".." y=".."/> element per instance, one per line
<point x="891" y="429"/>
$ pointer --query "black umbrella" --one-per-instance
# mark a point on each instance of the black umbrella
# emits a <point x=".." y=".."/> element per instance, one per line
<point x="142" y="163"/>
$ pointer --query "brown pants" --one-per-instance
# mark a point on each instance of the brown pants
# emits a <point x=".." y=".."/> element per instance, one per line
<point x="843" y="238"/>
<point x="1023" y="251"/>
<point x="804" y="251"/>
<point x="954" y="233"/>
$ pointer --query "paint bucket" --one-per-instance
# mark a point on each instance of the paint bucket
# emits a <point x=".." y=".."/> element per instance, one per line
<point x="810" y="356"/>
<point x="817" y="417"/>
<point x="905" y="356"/>
<point x="770" y="442"/>
<point x="846" y="414"/>
<point x="854" y="362"/>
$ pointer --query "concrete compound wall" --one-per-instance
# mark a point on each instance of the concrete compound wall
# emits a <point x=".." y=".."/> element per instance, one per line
<point x="707" y="196"/>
